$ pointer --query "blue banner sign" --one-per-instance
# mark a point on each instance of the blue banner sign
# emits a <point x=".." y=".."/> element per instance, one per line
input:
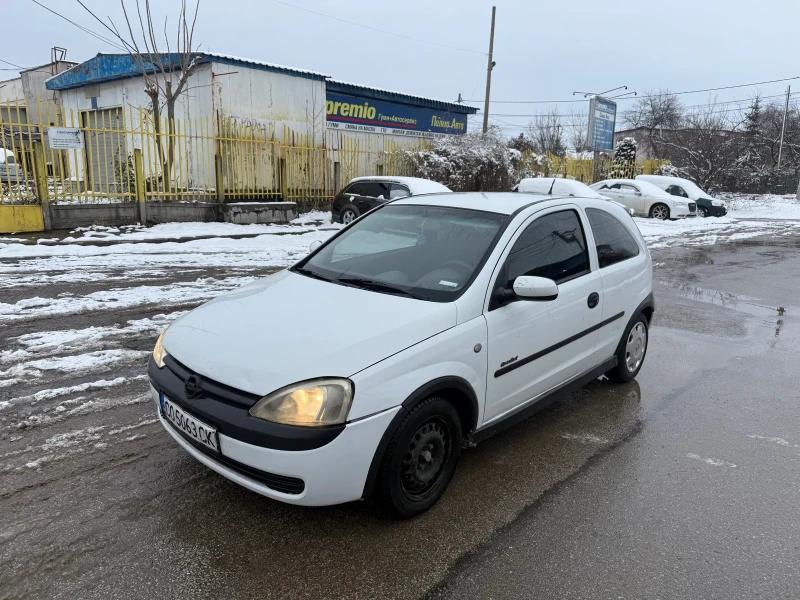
<point x="602" y="119"/>
<point x="351" y="113"/>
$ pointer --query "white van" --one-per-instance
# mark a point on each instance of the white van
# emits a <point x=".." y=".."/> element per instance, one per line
<point x="707" y="205"/>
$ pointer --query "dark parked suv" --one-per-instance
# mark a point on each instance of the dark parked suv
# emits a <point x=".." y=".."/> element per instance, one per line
<point x="365" y="193"/>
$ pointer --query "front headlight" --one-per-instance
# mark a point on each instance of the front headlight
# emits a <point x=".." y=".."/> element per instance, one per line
<point x="717" y="203"/>
<point x="158" y="352"/>
<point x="310" y="403"/>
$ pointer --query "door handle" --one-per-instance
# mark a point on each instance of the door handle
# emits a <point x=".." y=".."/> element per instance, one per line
<point x="593" y="300"/>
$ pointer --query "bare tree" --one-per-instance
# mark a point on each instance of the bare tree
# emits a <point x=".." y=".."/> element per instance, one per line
<point x="165" y="74"/>
<point x="577" y="127"/>
<point x="706" y="146"/>
<point x="655" y="110"/>
<point x="547" y="133"/>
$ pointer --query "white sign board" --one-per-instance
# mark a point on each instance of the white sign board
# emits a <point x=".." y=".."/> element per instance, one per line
<point x="65" y="138"/>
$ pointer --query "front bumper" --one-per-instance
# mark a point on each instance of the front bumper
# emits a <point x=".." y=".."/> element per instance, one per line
<point x="332" y="473"/>
<point x="680" y="212"/>
<point x="717" y="211"/>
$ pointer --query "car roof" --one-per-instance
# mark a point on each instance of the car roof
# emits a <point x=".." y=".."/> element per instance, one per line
<point x="504" y="203"/>
<point x="628" y="181"/>
<point x="416" y="185"/>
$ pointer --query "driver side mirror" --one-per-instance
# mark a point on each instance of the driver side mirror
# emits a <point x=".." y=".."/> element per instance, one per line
<point x="314" y="245"/>
<point x="527" y="287"/>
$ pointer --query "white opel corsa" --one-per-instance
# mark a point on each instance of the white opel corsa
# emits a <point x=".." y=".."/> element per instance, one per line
<point x="421" y="328"/>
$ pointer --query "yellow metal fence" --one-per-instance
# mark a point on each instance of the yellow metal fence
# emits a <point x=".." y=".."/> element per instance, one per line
<point x="215" y="158"/>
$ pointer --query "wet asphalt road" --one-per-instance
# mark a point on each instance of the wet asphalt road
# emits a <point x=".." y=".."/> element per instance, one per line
<point x="682" y="484"/>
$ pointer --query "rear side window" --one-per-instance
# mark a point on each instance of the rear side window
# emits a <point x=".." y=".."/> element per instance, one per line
<point x="553" y="246"/>
<point x="399" y="191"/>
<point x="614" y="242"/>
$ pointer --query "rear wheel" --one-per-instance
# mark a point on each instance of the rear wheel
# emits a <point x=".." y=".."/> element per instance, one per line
<point x="659" y="211"/>
<point x="631" y="351"/>
<point x="420" y="459"/>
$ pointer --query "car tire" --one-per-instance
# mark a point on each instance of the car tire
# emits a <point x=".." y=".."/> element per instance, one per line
<point x="349" y="214"/>
<point x="702" y="212"/>
<point x="659" y="211"/>
<point x="631" y="351"/>
<point x="420" y="459"/>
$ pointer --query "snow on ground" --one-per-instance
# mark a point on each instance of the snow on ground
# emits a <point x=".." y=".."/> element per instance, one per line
<point x="762" y="206"/>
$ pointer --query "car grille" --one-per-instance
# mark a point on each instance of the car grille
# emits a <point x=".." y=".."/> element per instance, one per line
<point x="692" y="207"/>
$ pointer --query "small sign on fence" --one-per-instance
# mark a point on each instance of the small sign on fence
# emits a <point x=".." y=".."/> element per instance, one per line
<point x="65" y="138"/>
<point x="602" y="119"/>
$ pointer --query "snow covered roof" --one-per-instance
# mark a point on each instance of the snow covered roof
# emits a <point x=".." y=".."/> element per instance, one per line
<point x="362" y="91"/>
<point x="642" y="185"/>
<point x="416" y="185"/>
<point x="556" y="186"/>
<point x="663" y="181"/>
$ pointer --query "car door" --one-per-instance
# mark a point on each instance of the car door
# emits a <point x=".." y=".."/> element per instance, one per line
<point x="537" y="345"/>
<point x="630" y="196"/>
<point x="621" y="262"/>
<point x="374" y="193"/>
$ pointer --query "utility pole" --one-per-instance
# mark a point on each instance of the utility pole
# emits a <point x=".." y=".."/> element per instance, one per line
<point x="489" y="68"/>
<point x="783" y="127"/>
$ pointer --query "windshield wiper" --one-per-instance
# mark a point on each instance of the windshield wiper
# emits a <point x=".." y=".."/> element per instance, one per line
<point x="379" y="286"/>
<point x="310" y="273"/>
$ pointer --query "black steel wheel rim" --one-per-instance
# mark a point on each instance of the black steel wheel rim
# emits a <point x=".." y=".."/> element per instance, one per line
<point x="426" y="459"/>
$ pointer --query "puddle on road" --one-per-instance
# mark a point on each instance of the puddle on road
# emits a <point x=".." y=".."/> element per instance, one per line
<point x="735" y="302"/>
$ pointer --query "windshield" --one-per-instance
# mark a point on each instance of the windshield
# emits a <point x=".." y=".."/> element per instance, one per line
<point x="425" y="252"/>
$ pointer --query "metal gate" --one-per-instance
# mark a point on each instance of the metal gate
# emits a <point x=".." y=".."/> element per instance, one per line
<point x="106" y="150"/>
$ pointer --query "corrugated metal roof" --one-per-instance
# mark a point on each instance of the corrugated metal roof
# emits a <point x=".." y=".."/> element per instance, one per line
<point x="362" y="91"/>
<point x="110" y="67"/>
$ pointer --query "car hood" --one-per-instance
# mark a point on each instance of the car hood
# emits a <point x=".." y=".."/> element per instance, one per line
<point x="288" y="328"/>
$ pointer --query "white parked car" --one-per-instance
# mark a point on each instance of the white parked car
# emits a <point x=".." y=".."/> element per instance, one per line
<point x="425" y="325"/>
<point x="10" y="173"/>
<point x="707" y="205"/>
<point x="646" y="199"/>
<point x="559" y="186"/>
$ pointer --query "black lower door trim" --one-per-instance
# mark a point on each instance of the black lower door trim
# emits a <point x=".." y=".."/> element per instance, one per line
<point x="554" y="347"/>
<point x="544" y="401"/>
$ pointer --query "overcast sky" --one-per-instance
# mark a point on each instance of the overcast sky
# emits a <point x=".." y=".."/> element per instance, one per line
<point x="543" y="50"/>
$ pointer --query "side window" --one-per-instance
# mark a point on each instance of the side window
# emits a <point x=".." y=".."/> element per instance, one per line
<point x="10" y="159"/>
<point x="677" y="190"/>
<point x="398" y="191"/>
<point x="376" y="189"/>
<point x="616" y="186"/>
<point x="356" y="189"/>
<point x="553" y="246"/>
<point x="627" y="189"/>
<point x="614" y="242"/>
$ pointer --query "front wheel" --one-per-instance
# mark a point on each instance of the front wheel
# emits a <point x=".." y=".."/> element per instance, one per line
<point x="631" y="351"/>
<point x="702" y="211"/>
<point x="420" y="459"/>
<point x="349" y="214"/>
<point x="659" y="211"/>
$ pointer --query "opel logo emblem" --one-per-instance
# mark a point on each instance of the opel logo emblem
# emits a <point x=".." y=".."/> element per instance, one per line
<point x="192" y="387"/>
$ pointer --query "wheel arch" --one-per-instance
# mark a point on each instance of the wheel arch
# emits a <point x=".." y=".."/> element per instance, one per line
<point x="455" y="390"/>
<point x="647" y="307"/>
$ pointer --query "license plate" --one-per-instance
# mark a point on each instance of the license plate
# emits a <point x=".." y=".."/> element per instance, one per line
<point x="188" y="425"/>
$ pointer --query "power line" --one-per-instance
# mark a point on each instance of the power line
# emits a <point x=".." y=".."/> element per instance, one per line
<point x="727" y="87"/>
<point x="384" y="31"/>
<point x="690" y="107"/>
<point x="12" y="64"/>
<point x="81" y="27"/>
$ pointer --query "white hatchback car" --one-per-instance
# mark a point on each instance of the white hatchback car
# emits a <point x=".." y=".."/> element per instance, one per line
<point x="646" y="199"/>
<point x="424" y="326"/>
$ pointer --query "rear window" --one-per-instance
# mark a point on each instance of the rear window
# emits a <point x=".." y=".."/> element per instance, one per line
<point x="614" y="242"/>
